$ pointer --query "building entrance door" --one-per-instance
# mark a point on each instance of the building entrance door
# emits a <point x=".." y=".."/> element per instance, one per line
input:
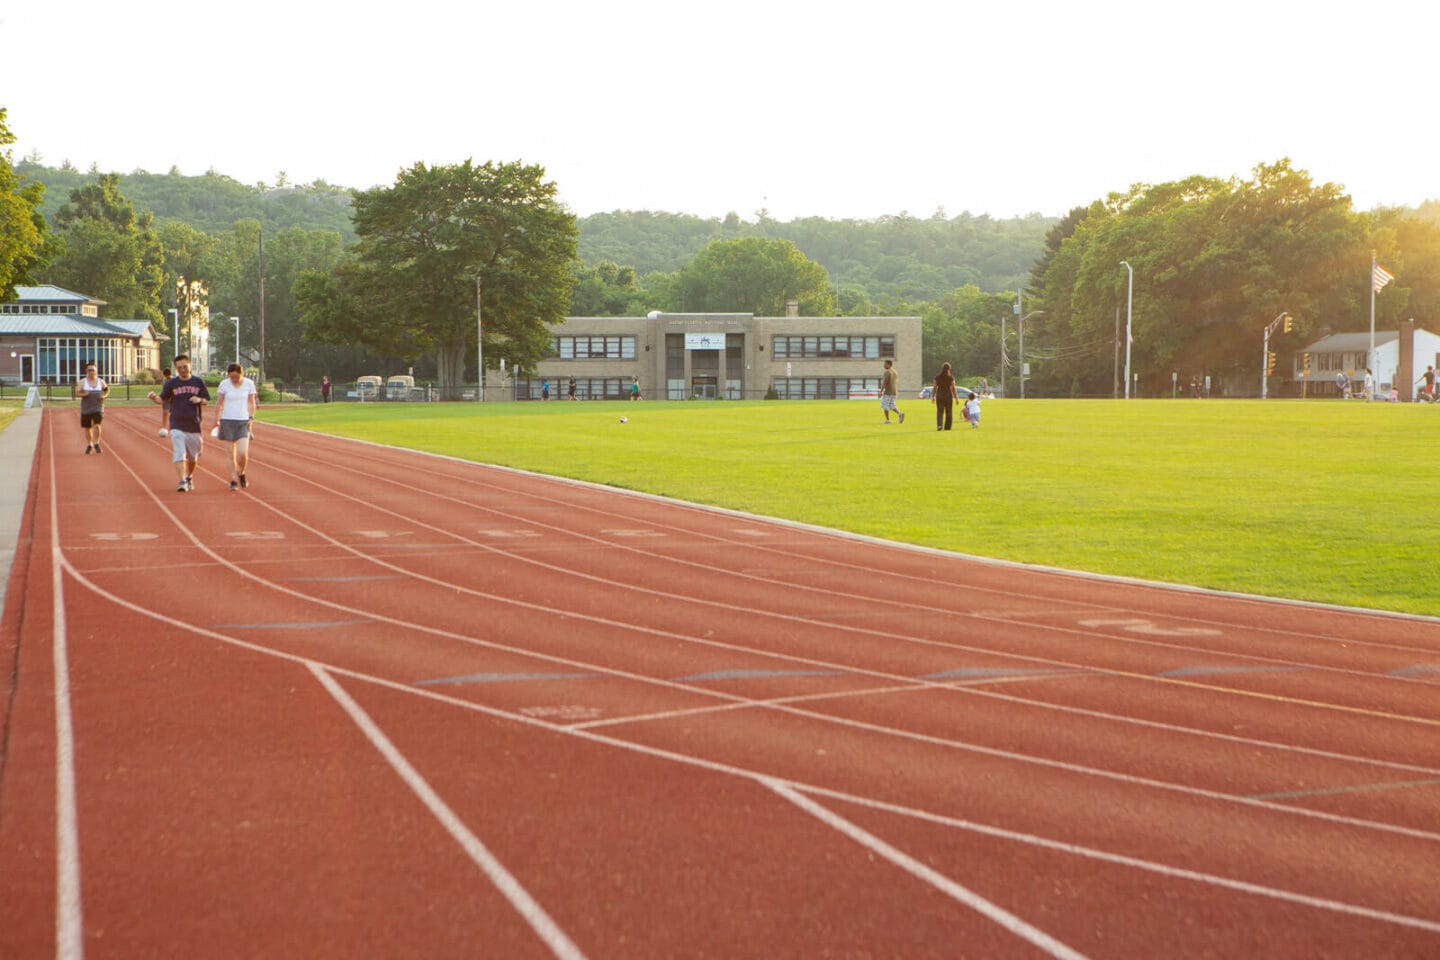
<point x="703" y="387"/>
<point x="27" y="368"/>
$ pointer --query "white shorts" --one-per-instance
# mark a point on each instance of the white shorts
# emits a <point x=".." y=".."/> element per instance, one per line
<point x="887" y="401"/>
<point x="184" y="446"/>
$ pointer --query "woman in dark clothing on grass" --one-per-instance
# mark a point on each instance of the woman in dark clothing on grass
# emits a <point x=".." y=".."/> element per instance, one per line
<point x="944" y="395"/>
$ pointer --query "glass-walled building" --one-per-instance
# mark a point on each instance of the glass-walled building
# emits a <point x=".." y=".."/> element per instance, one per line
<point x="48" y="335"/>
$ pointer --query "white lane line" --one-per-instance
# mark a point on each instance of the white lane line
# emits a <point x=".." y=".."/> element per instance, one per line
<point x="728" y="769"/>
<point x="971" y="899"/>
<point x="832" y="625"/>
<point x="526" y="905"/>
<point x="892" y="731"/>
<point x="845" y="536"/>
<point x="1150" y="866"/>
<point x="69" y="927"/>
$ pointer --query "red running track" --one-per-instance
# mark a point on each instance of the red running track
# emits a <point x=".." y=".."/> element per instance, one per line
<point x="389" y="704"/>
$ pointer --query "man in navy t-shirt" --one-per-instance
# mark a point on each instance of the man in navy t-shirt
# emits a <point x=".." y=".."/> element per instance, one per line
<point x="187" y="395"/>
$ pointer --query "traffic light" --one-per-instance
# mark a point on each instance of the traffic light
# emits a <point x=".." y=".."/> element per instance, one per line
<point x="1305" y="362"/>
<point x="1269" y="363"/>
<point x="1289" y="323"/>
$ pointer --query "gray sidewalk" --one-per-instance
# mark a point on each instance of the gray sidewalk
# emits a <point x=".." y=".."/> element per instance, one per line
<point x="17" y="454"/>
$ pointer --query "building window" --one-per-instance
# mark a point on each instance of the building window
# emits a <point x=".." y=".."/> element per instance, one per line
<point x="786" y="347"/>
<point x="586" y="388"/>
<point x="593" y="348"/>
<point x="824" y="388"/>
<point x="63" y="359"/>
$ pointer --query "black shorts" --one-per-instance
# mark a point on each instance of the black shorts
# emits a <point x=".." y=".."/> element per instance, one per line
<point x="88" y="420"/>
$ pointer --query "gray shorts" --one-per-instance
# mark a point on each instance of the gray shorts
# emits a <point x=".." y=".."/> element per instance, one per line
<point x="233" y="430"/>
<point x="887" y="401"/>
<point x="184" y="446"/>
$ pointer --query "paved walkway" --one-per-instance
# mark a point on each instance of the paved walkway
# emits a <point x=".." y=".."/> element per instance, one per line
<point x="17" y="454"/>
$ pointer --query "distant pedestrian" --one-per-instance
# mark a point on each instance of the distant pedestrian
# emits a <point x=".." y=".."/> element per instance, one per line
<point x="1367" y="389"/>
<point x="234" y="412"/>
<point x="325" y="387"/>
<point x="545" y="390"/>
<point x="1428" y="376"/>
<point x="944" y="394"/>
<point x="570" y="389"/>
<point x="984" y="386"/>
<point x="154" y="397"/>
<point x="1342" y="385"/>
<point x="92" y="392"/>
<point x="889" y="391"/>
<point x="634" y="388"/>
<point x="972" y="411"/>
<point x="187" y="395"/>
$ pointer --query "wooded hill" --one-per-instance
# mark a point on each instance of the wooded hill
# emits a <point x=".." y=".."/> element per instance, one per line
<point x="891" y="259"/>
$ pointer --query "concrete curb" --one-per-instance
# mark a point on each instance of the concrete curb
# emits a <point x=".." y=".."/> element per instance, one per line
<point x="18" y="443"/>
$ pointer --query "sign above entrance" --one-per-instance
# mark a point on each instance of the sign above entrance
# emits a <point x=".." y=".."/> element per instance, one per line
<point x="704" y="341"/>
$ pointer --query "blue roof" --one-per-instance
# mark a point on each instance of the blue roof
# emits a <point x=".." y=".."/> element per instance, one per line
<point x="50" y="293"/>
<point x="66" y="325"/>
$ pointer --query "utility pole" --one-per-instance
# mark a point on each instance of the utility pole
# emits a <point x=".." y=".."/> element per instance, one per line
<point x="480" y="349"/>
<point x="260" y="365"/>
<point x="1129" y="316"/>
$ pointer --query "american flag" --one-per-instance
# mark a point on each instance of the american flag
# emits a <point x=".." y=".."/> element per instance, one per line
<point x="1379" y="277"/>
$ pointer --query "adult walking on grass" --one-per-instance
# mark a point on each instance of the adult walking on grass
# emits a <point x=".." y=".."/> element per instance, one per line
<point x="943" y="395"/>
<point x="187" y="396"/>
<point x="233" y="415"/>
<point x="92" y="392"/>
<point x="889" y="391"/>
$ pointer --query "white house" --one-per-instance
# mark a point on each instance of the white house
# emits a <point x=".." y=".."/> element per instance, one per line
<point x="1400" y="360"/>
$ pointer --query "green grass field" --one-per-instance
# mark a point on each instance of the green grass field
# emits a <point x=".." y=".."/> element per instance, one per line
<point x="1317" y="500"/>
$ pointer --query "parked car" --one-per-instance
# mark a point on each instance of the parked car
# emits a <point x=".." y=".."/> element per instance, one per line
<point x="399" y="387"/>
<point x="367" y="388"/>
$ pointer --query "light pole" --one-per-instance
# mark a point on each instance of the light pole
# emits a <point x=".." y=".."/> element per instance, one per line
<point x="174" y="332"/>
<point x="1265" y="358"/>
<point x="479" y="347"/>
<point x="1129" y="305"/>
<point x="1020" y="323"/>
<point x="237" y="339"/>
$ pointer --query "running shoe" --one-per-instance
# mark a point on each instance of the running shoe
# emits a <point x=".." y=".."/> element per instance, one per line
<point x="88" y="448"/>
<point x="902" y="416"/>
<point x="234" y="484"/>
<point x="97" y="448"/>
<point x="243" y="481"/>
<point x="180" y="487"/>
<point x="190" y="484"/>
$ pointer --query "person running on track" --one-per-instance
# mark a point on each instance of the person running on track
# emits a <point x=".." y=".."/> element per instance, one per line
<point x="234" y="410"/>
<point x="92" y="392"/>
<point x="187" y="394"/>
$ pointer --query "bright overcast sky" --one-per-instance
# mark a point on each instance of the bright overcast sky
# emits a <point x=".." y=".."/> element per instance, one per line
<point x="805" y="109"/>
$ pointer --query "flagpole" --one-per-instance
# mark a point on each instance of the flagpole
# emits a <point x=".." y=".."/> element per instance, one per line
<point x="1370" y="357"/>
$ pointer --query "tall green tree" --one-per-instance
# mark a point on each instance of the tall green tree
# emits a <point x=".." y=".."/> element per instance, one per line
<point x="753" y="275"/>
<point x="108" y="250"/>
<point x="605" y="290"/>
<point x="426" y="243"/>
<point x="22" y="225"/>
<point x="1214" y="261"/>
<point x="963" y="330"/>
